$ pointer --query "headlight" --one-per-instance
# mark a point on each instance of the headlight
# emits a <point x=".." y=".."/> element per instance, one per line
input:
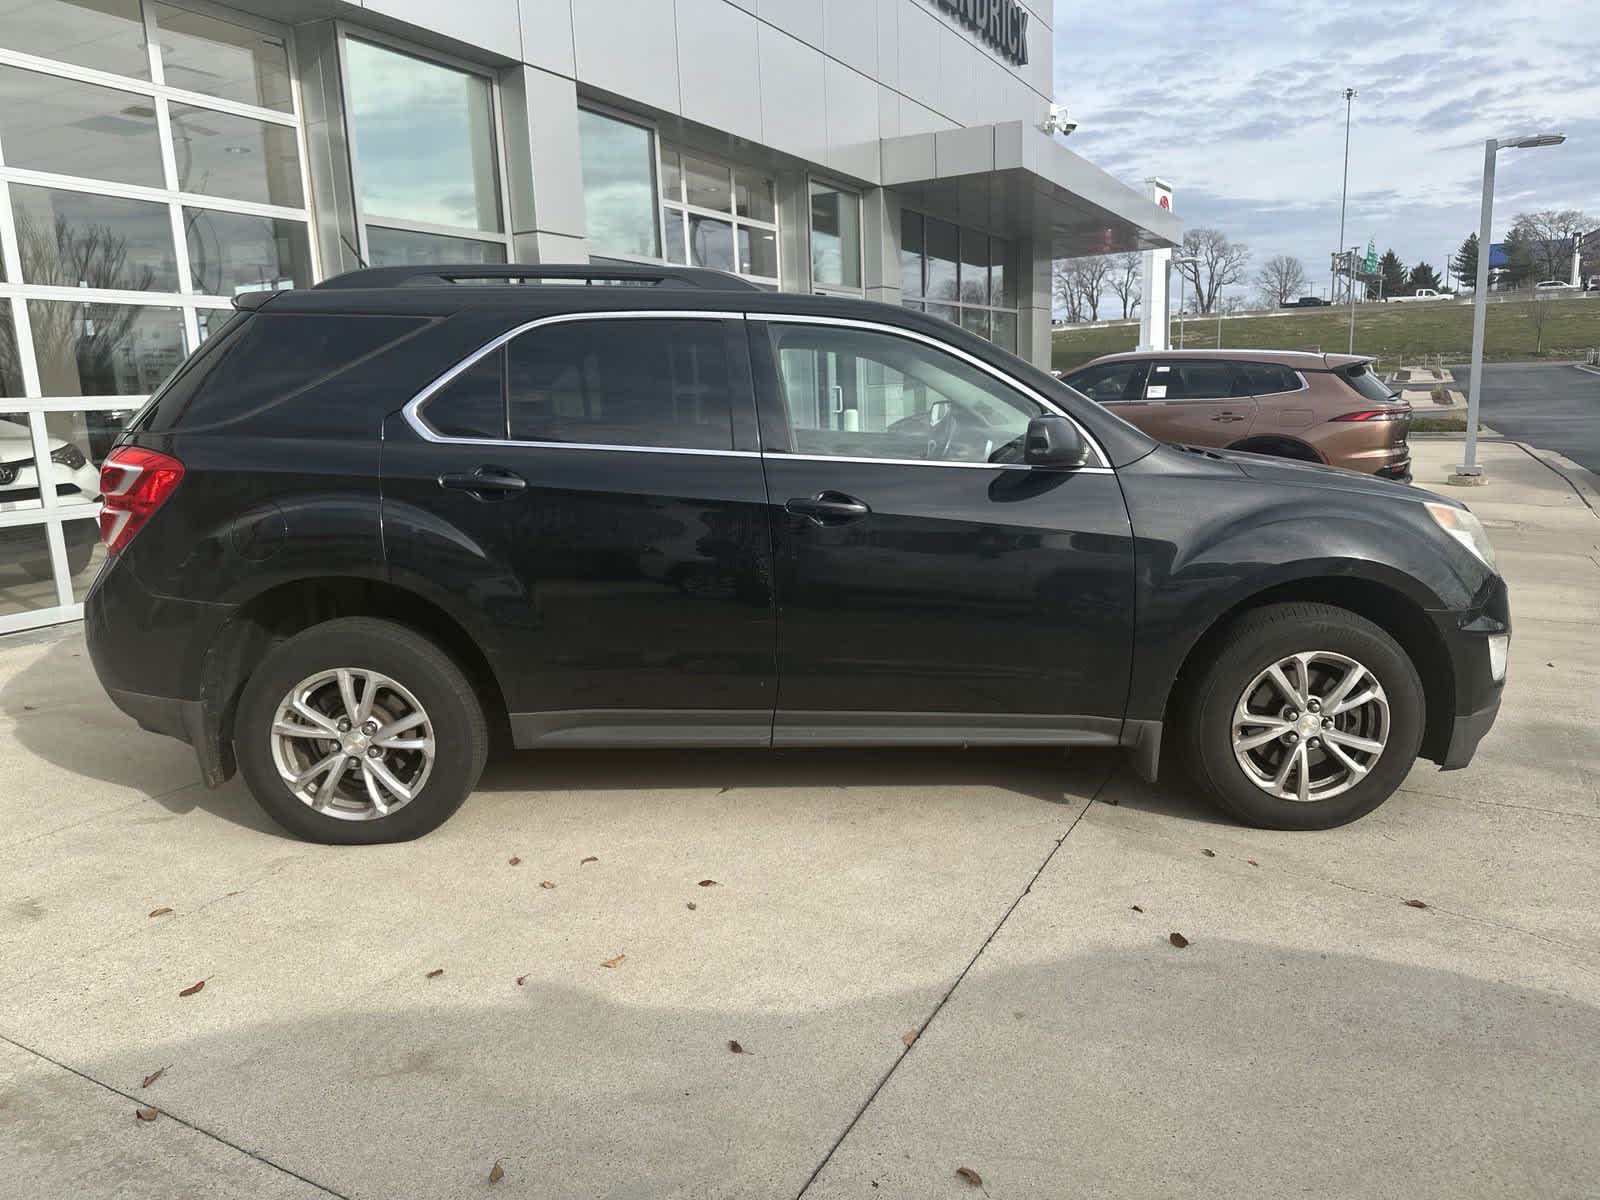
<point x="68" y="456"/>
<point x="1460" y="524"/>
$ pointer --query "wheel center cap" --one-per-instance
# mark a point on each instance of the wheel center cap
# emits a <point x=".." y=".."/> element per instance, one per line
<point x="354" y="741"/>
<point x="1308" y="724"/>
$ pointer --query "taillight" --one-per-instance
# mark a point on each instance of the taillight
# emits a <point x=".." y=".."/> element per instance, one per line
<point x="134" y="482"/>
<point x="1377" y="414"/>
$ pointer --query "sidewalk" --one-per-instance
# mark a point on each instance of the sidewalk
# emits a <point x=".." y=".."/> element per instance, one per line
<point x="1317" y="1037"/>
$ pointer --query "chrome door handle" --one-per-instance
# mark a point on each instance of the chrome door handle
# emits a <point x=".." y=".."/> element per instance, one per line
<point x="1227" y="417"/>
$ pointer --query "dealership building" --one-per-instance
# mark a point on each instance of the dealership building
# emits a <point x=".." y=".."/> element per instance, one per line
<point x="159" y="157"/>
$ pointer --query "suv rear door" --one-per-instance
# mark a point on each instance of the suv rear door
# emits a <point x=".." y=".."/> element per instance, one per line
<point x="932" y="588"/>
<point x="591" y="491"/>
<point x="1203" y="402"/>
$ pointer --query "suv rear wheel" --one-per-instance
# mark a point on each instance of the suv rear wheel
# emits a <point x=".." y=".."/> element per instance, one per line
<point x="1308" y="717"/>
<point x="359" y="731"/>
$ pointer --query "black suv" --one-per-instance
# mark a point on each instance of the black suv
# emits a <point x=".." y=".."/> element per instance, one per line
<point x="368" y="523"/>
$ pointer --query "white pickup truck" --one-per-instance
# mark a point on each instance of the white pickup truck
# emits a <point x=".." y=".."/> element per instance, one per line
<point x="1419" y="294"/>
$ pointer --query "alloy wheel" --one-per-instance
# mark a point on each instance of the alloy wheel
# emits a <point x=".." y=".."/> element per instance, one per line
<point x="352" y="744"/>
<point x="1310" y="726"/>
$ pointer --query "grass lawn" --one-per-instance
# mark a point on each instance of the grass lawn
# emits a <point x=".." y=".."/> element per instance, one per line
<point x="1393" y="333"/>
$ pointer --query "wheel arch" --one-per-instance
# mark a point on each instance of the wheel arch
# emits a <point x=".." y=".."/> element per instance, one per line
<point x="1389" y="608"/>
<point x="285" y="609"/>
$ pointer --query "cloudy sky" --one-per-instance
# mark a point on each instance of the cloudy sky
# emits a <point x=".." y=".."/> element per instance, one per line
<point x="1239" y="105"/>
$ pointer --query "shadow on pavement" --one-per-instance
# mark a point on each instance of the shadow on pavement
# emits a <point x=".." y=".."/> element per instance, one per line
<point x="1236" y="1069"/>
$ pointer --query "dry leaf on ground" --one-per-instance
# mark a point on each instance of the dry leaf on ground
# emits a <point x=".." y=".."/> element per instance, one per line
<point x="496" y="1172"/>
<point x="970" y="1177"/>
<point x="192" y="988"/>
<point x="614" y="962"/>
<point x="1252" y="862"/>
<point x="435" y="973"/>
<point x="1177" y="939"/>
<point x="521" y="979"/>
<point x="736" y="1048"/>
<point x="590" y="859"/>
<point x="1136" y="908"/>
<point x="514" y="861"/>
<point x="690" y="906"/>
<point x="153" y="1076"/>
<point x="709" y="883"/>
<point x="1416" y="904"/>
<point x="160" y="912"/>
<point x="547" y="885"/>
<point x="147" y="1114"/>
<point x="910" y="1036"/>
<point x="1209" y="853"/>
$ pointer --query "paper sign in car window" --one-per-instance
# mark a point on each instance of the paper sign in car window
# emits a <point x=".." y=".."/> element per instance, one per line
<point x="1156" y="391"/>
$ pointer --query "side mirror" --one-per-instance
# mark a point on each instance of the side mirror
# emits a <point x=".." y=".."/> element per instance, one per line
<point x="1054" y="441"/>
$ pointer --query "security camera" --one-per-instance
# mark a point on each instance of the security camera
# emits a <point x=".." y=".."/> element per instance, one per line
<point x="1059" y="121"/>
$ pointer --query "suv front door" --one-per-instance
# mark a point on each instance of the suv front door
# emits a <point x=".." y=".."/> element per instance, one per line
<point x="931" y="587"/>
<point x="591" y="494"/>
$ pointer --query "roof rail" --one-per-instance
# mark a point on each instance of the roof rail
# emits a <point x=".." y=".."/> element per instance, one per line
<point x="599" y="271"/>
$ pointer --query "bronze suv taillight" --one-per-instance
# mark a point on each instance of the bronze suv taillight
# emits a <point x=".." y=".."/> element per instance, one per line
<point x="134" y="482"/>
<point x="1376" y="414"/>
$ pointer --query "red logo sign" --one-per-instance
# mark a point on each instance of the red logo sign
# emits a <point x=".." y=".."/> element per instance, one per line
<point x="1165" y="202"/>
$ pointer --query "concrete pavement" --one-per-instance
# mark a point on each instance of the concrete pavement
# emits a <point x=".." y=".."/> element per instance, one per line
<point x="1317" y="1037"/>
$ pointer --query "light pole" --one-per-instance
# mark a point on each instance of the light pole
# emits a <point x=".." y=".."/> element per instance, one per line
<point x="1183" y="281"/>
<point x="1349" y="97"/>
<point x="1469" y="472"/>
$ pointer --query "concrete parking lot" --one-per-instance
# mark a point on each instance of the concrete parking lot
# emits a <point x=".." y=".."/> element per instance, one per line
<point x="550" y="984"/>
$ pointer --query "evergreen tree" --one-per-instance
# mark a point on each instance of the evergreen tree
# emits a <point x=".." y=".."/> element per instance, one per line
<point x="1422" y="276"/>
<point x="1465" y="263"/>
<point x="1393" y="272"/>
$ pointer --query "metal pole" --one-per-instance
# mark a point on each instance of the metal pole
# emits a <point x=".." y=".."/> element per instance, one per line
<point x="1349" y="95"/>
<point x="1352" y="280"/>
<point x="1219" y="322"/>
<point x="1183" y="283"/>
<point x="1480" y="310"/>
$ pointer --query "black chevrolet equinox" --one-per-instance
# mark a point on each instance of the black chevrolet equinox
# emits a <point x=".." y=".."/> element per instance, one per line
<point x="367" y="524"/>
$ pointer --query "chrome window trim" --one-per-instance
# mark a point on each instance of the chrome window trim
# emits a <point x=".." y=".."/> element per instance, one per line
<point x="781" y="456"/>
<point x="413" y="415"/>
<point x="1305" y="386"/>
<point x="970" y="359"/>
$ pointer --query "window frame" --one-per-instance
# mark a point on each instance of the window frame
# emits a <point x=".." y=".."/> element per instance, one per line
<point x="344" y="32"/>
<point x="922" y="302"/>
<point x="683" y="210"/>
<point x="835" y="289"/>
<point x="34" y="404"/>
<point x="1101" y="464"/>
<point x="414" y="412"/>
<point x="612" y="113"/>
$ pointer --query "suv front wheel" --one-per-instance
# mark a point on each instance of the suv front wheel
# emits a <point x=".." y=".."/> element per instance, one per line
<point x="1308" y="717"/>
<point x="359" y="731"/>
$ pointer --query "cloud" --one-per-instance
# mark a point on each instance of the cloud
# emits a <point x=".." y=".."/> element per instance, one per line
<point x="1241" y="106"/>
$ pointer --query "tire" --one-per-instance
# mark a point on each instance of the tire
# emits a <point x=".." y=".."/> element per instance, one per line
<point x="1329" y="638"/>
<point x="415" y="673"/>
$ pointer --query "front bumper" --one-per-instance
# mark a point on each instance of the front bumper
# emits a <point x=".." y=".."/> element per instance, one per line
<point x="1476" y="703"/>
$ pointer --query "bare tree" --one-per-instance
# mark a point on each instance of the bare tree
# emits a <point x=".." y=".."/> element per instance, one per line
<point x="1280" y="279"/>
<point x="1066" y="291"/>
<point x="1539" y="305"/>
<point x="1123" y="280"/>
<point x="1219" y="263"/>
<point x="1080" y="282"/>
<point x="1547" y="236"/>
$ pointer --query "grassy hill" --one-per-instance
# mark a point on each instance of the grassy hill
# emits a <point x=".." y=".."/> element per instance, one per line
<point x="1390" y="332"/>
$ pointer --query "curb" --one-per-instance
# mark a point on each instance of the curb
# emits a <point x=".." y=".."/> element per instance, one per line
<point x="1578" y="477"/>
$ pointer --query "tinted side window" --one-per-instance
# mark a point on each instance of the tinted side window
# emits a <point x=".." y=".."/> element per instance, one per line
<point x="473" y="404"/>
<point x="274" y="357"/>
<point x="1368" y="384"/>
<point x="1190" y="381"/>
<point x="1262" y="379"/>
<point x="622" y="383"/>
<point x="1111" y="382"/>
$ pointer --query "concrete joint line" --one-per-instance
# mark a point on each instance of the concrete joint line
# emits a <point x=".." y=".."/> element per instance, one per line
<point x="1567" y="479"/>
<point x="950" y="991"/>
<point x="187" y="1124"/>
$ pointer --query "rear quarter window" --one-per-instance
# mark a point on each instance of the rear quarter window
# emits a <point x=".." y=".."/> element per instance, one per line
<point x="268" y="358"/>
<point x="1366" y="383"/>
<point x="1265" y="379"/>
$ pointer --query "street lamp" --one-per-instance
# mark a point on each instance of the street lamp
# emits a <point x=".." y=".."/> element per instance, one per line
<point x="1469" y="471"/>
<point x="1183" y="281"/>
